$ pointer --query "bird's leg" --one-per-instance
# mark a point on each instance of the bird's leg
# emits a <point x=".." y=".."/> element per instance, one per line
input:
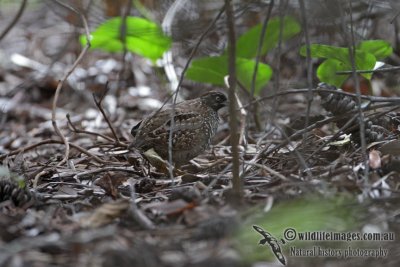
<point x="161" y="165"/>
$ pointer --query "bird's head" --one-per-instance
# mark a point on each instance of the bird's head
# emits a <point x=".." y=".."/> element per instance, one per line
<point x="215" y="100"/>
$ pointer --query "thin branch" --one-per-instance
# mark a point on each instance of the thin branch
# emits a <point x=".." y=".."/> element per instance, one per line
<point x="122" y="35"/>
<point x="259" y="47"/>
<point x="270" y="170"/>
<point x="394" y="17"/>
<point x="98" y="104"/>
<point x="258" y="57"/>
<point x="62" y="81"/>
<point x="135" y="212"/>
<point x="51" y="141"/>
<point x="15" y="20"/>
<point x="387" y="69"/>
<point x="352" y="50"/>
<point x="106" y="169"/>
<point x="308" y="62"/>
<point x="75" y="130"/>
<point x="339" y="92"/>
<point x="191" y="56"/>
<point x="300" y="158"/>
<point x="277" y="75"/>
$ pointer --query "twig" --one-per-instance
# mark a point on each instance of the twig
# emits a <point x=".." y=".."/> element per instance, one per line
<point x="15" y="20"/>
<point x="352" y="53"/>
<point x="167" y="59"/>
<point x="74" y="129"/>
<point x="107" y="169"/>
<point x="84" y="151"/>
<point x="51" y="141"/>
<point x="387" y="69"/>
<point x="136" y="213"/>
<point x="277" y="75"/>
<point x="255" y="110"/>
<point x="122" y="35"/>
<point x="62" y="81"/>
<point x="243" y="115"/>
<point x="308" y="62"/>
<point x="394" y="17"/>
<point x="339" y="92"/>
<point x="270" y="170"/>
<point x="259" y="47"/>
<point x="98" y="104"/>
<point x="237" y="183"/>
<point x="191" y="56"/>
<point x="300" y="158"/>
<point x="37" y="177"/>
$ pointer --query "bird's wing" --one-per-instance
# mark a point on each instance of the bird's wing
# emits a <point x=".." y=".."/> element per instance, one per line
<point x="163" y="122"/>
<point x="185" y="121"/>
<point x="156" y="129"/>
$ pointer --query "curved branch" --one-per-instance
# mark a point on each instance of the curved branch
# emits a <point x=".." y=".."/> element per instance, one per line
<point x="62" y="81"/>
<point x="15" y="20"/>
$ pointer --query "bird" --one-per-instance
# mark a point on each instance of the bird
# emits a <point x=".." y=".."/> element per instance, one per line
<point x="193" y="123"/>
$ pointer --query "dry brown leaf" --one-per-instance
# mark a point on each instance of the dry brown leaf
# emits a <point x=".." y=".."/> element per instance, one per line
<point x="110" y="182"/>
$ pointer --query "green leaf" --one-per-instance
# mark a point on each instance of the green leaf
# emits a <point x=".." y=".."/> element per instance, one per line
<point x="338" y="59"/>
<point x="208" y="70"/>
<point x="214" y="69"/>
<point x="143" y="37"/>
<point x="326" y="72"/>
<point x="245" y="70"/>
<point x="364" y="61"/>
<point x="247" y="44"/>
<point x="326" y="51"/>
<point x="379" y="48"/>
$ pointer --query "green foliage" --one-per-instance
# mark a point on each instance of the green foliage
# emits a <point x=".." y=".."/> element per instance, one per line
<point x="202" y="71"/>
<point x="247" y="44"/>
<point x="379" y="48"/>
<point x="338" y="59"/>
<point x="214" y="69"/>
<point x="143" y="37"/>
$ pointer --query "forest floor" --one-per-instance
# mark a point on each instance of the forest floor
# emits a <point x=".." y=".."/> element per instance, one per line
<point x="94" y="202"/>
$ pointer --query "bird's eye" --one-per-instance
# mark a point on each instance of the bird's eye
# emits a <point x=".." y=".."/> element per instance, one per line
<point x="218" y="98"/>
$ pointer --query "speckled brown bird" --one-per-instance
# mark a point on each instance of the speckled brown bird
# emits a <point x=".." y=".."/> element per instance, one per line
<point x="196" y="122"/>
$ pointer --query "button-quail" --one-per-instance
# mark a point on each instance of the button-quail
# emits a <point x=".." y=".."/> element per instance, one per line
<point x="195" y="123"/>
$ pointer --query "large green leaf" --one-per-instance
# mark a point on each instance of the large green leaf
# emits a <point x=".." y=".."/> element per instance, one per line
<point x="247" y="44"/>
<point x="143" y="37"/>
<point x="379" y="48"/>
<point x="338" y="59"/>
<point x="245" y="70"/>
<point x="208" y="70"/>
<point x="214" y="69"/>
